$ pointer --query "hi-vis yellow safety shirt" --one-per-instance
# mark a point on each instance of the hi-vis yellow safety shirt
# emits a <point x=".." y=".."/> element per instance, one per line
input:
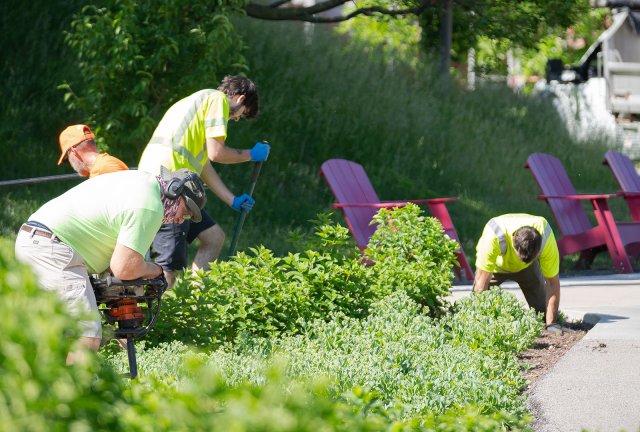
<point x="180" y="139"/>
<point x="495" y="252"/>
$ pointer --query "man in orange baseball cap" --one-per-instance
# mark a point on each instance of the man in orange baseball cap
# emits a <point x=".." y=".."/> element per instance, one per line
<point x="79" y="150"/>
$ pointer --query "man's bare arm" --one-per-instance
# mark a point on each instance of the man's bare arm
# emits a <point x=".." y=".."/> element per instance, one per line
<point x="482" y="280"/>
<point x="219" y="152"/>
<point x="127" y="264"/>
<point x="212" y="179"/>
<point x="553" y="298"/>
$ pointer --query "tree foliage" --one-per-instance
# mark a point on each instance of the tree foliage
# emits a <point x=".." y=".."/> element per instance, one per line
<point x="505" y="23"/>
<point x="522" y="23"/>
<point x="137" y="58"/>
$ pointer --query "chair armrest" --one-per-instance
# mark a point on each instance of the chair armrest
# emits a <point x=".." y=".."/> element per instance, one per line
<point x="430" y="201"/>
<point x="628" y="194"/>
<point x="577" y="197"/>
<point x="374" y="205"/>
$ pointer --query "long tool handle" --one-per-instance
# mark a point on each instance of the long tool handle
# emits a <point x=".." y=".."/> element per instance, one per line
<point x="243" y="212"/>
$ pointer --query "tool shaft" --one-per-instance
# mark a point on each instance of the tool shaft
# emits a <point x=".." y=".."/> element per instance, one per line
<point x="131" y="353"/>
<point x="243" y="212"/>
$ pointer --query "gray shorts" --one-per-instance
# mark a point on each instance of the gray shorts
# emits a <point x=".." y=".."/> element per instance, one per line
<point x="531" y="282"/>
<point x="59" y="268"/>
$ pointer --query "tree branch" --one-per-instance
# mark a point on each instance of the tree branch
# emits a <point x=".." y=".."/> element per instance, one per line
<point x="277" y="3"/>
<point x="309" y="14"/>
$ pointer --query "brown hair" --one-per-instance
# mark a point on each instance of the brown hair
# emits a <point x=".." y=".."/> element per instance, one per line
<point x="239" y="85"/>
<point x="527" y="241"/>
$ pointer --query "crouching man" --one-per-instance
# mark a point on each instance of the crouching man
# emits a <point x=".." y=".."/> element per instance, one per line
<point x="106" y="222"/>
<point x="522" y="248"/>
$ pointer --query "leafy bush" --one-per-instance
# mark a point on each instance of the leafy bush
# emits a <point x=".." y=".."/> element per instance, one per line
<point x="137" y="58"/>
<point x="407" y="359"/>
<point x="412" y="255"/>
<point x="266" y="295"/>
<point x="39" y="393"/>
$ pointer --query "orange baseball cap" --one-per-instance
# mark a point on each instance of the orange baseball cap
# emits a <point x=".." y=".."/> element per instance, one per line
<point x="72" y="136"/>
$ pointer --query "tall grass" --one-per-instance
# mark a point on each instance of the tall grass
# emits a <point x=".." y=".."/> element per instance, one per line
<point x="414" y="137"/>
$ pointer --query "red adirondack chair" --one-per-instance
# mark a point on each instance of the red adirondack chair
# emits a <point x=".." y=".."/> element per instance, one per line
<point x="577" y="233"/>
<point x="627" y="177"/>
<point x="359" y="203"/>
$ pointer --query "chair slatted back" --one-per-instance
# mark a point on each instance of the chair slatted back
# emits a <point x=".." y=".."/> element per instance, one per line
<point x="553" y="180"/>
<point x="623" y="170"/>
<point x="350" y="185"/>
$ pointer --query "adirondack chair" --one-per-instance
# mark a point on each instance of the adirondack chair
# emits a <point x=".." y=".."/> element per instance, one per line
<point x="359" y="203"/>
<point x="577" y="233"/>
<point x="627" y="177"/>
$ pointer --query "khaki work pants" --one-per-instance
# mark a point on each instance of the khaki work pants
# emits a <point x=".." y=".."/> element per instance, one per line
<point x="59" y="268"/>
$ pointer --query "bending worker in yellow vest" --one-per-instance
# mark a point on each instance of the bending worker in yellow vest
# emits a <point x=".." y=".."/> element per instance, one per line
<point x="522" y="248"/>
<point x="191" y="135"/>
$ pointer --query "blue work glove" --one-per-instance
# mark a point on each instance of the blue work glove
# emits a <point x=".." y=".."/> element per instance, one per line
<point x="260" y="152"/>
<point x="242" y="202"/>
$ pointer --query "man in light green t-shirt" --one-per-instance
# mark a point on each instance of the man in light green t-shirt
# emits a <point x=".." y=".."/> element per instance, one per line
<point x="522" y="248"/>
<point x="107" y="222"/>
<point x="191" y="135"/>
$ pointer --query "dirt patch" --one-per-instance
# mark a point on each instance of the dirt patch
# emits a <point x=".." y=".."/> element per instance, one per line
<point x="548" y="349"/>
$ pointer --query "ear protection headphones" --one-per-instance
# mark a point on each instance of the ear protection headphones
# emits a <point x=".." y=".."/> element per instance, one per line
<point x="175" y="186"/>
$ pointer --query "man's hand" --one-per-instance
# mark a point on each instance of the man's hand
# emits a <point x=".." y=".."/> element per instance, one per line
<point x="162" y="278"/>
<point x="244" y="202"/>
<point x="558" y="329"/>
<point x="260" y="152"/>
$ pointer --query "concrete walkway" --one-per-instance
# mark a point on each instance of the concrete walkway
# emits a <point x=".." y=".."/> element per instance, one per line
<point x="596" y="385"/>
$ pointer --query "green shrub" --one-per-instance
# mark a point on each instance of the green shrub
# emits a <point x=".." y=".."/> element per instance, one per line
<point x="39" y="393"/>
<point x="266" y="295"/>
<point x="412" y="255"/>
<point x="408" y="359"/>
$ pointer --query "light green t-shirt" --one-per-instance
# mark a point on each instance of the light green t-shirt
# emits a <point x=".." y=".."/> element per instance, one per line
<point x="123" y="207"/>
<point x="179" y="141"/>
<point x="495" y="251"/>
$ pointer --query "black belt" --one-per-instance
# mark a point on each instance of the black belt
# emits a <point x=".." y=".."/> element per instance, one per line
<point x="35" y="231"/>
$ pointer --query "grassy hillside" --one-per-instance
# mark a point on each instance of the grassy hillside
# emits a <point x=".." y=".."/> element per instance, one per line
<point x="321" y="101"/>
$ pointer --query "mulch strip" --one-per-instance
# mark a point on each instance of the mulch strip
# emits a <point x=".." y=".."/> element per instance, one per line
<point x="548" y="349"/>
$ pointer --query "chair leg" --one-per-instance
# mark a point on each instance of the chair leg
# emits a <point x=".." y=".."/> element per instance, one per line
<point x="440" y="212"/>
<point x="586" y="256"/>
<point x="611" y="235"/>
<point x="633" y="250"/>
<point x="464" y="272"/>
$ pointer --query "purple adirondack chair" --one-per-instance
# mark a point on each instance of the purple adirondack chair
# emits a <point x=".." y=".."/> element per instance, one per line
<point x="577" y="233"/>
<point x="359" y="203"/>
<point x="627" y="177"/>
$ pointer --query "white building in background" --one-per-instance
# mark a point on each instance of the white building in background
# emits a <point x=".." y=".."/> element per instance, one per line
<point x="602" y="93"/>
